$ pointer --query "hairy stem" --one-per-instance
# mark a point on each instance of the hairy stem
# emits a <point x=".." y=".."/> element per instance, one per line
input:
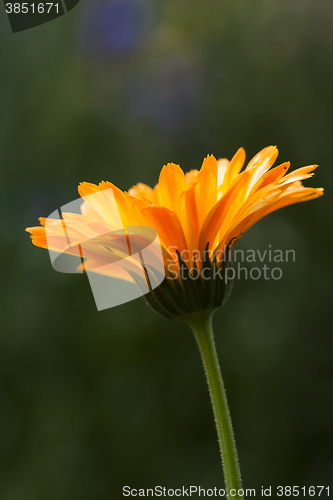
<point x="202" y="328"/>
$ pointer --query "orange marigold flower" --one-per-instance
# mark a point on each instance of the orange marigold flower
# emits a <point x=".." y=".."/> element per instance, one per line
<point x="200" y="214"/>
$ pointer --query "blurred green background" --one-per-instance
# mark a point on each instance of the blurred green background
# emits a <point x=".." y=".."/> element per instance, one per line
<point x="91" y="401"/>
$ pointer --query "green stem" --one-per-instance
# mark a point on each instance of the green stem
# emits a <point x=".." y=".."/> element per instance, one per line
<point x="202" y="328"/>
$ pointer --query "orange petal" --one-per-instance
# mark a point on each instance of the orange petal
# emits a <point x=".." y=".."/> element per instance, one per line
<point x="234" y="167"/>
<point x="222" y="165"/>
<point x="297" y="195"/>
<point x="273" y="175"/>
<point x="209" y="162"/>
<point x="110" y="202"/>
<point x="190" y="214"/>
<point x="141" y="190"/>
<point x="262" y="162"/>
<point x="298" y="175"/>
<point x="189" y="176"/>
<point x="217" y="215"/>
<point x="167" y="225"/>
<point x="86" y="188"/>
<point x="170" y="186"/>
<point x="113" y="270"/>
<point x="265" y="157"/>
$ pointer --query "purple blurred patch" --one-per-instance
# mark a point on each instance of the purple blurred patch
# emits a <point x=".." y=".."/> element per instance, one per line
<point x="112" y="27"/>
